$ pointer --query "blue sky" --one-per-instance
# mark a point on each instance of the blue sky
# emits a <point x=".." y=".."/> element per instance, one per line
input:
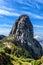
<point x="10" y="10"/>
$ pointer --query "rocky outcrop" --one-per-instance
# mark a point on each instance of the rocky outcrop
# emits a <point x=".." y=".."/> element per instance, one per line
<point x="23" y="30"/>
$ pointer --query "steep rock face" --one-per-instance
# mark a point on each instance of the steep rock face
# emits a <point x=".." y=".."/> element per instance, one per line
<point x="23" y="30"/>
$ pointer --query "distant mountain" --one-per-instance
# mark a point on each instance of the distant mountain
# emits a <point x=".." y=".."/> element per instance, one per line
<point x="2" y="36"/>
<point x="40" y="39"/>
<point x="41" y="42"/>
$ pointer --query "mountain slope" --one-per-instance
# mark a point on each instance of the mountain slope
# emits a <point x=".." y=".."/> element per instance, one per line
<point x="15" y="55"/>
<point x="20" y="47"/>
<point x="23" y="32"/>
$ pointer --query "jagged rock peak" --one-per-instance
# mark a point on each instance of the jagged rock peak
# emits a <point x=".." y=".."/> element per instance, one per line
<point x="22" y="22"/>
<point x="23" y="30"/>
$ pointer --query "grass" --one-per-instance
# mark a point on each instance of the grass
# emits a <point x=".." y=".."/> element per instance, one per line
<point x="17" y="55"/>
<point x="23" y="61"/>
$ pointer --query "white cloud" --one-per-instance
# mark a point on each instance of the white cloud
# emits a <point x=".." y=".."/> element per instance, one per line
<point x="5" y="25"/>
<point x="30" y="3"/>
<point x="33" y="15"/>
<point x="2" y="1"/>
<point x="7" y="8"/>
<point x="4" y="31"/>
<point x="38" y="26"/>
<point x="8" y="13"/>
<point x="40" y="1"/>
<point x="39" y="38"/>
<point x="36" y="37"/>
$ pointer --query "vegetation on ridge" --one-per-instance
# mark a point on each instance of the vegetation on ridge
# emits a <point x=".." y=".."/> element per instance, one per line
<point x="11" y="54"/>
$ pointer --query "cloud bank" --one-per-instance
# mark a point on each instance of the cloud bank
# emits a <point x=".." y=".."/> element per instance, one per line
<point x="9" y="10"/>
<point x="14" y="8"/>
